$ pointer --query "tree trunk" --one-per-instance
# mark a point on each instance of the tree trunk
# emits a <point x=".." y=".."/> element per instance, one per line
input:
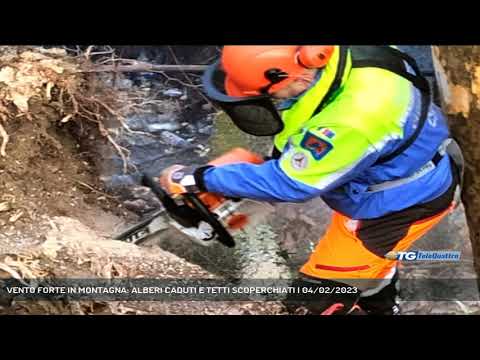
<point x="457" y="69"/>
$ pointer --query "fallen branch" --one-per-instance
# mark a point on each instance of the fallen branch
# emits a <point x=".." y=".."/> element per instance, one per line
<point x="139" y="66"/>
<point x="187" y="77"/>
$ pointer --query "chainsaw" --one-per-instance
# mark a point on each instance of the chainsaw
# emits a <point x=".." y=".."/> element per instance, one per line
<point x="203" y="217"/>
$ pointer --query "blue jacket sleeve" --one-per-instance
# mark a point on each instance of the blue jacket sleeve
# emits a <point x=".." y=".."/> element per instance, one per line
<point x="265" y="182"/>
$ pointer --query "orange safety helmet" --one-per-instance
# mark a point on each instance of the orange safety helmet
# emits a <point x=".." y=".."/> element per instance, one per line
<point x="255" y="70"/>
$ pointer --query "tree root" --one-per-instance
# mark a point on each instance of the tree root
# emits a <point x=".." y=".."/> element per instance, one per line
<point x="79" y="93"/>
<point x="5" y="139"/>
<point x="121" y="152"/>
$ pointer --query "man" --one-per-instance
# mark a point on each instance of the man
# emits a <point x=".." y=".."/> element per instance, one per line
<point x="353" y="125"/>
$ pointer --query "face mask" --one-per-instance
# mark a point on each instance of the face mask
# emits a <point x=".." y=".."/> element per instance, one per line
<point x="255" y="115"/>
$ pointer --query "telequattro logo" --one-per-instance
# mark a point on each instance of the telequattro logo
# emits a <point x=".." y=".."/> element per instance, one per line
<point x="423" y="255"/>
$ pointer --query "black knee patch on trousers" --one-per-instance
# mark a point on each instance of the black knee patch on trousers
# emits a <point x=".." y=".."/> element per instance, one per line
<point x="384" y="302"/>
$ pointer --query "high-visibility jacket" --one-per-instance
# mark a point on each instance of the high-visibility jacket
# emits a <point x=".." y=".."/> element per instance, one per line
<point x="339" y="138"/>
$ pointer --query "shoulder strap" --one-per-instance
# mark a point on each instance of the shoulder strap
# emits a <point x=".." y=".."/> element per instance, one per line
<point x="391" y="59"/>
<point x="337" y="81"/>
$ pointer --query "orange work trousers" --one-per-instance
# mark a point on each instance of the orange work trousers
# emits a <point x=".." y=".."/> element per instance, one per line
<point x="344" y="254"/>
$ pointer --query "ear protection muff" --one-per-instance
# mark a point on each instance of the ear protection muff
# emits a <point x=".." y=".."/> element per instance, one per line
<point x="308" y="57"/>
<point x="315" y="56"/>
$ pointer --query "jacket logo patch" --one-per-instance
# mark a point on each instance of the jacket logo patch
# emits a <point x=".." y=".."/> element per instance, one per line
<point x="299" y="161"/>
<point x="317" y="146"/>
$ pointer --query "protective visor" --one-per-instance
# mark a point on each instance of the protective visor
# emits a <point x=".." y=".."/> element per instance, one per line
<point x="255" y="115"/>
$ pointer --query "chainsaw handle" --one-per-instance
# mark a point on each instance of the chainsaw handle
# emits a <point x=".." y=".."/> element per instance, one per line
<point x="198" y="209"/>
<point x="223" y="235"/>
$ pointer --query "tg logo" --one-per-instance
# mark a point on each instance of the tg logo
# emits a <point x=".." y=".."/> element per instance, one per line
<point x="402" y="255"/>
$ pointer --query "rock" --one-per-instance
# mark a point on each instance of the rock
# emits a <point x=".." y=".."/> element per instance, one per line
<point x="173" y="92"/>
<point x="161" y="118"/>
<point x="174" y="140"/>
<point x="145" y="121"/>
<point x="141" y="200"/>
<point x="138" y="206"/>
<point x="131" y="140"/>
<point x="115" y="182"/>
<point x="159" y="127"/>
<point x="136" y="122"/>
